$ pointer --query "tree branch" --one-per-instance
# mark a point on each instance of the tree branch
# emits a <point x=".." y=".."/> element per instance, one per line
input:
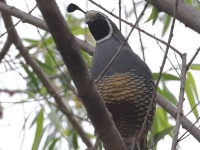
<point x="186" y="13"/>
<point x="83" y="81"/>
<point x="160" y="100"/>
<point x="5" y="49"/>
<point x="27" y="18"/>
<point x="14" y="38"/>
<point x="130" y="24"/>
<point x="180" y="104"/>
<point x="172" y="110"/>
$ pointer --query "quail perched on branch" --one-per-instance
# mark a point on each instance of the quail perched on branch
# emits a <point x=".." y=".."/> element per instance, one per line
<point x="126" y="86"/>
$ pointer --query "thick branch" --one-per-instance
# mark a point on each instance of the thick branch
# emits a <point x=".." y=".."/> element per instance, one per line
<point x="172" y="110"/>
<point x="5" y="49"/>
<point x="160" y="100"/>
<point x="14" y="38"/>
<point x="83" y="81"/>
<point x="42" y="25"/>
<point x="186" y="13"/>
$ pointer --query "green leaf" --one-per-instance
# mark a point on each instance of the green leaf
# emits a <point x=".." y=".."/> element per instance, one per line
<point x="25" y="121"/>
<point x="39" y="130"/>
<point x="31" y="75"/>
<point x="166" y="77"/>
<point x="161" y="134"/>
<point x="166" y="24"/>
<point x="87" y="58"/>
<point x="75" y="141"/>
<point x="189" y="92"/>
<point x="53" y="143"/>
<point x="153" y="16"/>
<point x="189" y="2"/>
<point x="51" y="138"/>
<point x="54" y="119"/>
<point x="100" y="146"/>
<point x="168" y="95"/>
<point x="33" y="43"/>
<point x="45" y="67"/>
<point x="196" y="3"/>
<point x="193" y="84"/>
<point x="195" y="66"/>
<point x="160" y="120"/>
<point x="49" y="61"/>
<point x="47" y="42"/>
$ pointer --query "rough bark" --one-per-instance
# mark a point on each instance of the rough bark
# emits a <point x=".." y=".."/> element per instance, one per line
<point x="186" y="13"/>
<point x="83" y="81"/>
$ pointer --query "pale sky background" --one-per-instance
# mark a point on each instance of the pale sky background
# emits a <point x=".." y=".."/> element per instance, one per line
<point x="184" y="40"/>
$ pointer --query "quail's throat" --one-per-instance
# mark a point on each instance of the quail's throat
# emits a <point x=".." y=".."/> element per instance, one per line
<point x="99" y="28"/>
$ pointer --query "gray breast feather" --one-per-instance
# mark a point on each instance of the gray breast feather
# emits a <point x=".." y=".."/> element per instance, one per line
<point x="126" y="61"/>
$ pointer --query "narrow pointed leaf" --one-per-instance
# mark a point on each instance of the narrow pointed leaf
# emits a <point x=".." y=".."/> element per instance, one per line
<point x="189" y="1"/>
<point x="52" y="145"/>
<point x="50" y="138"/>
<point x="193" y="84"/>
<point x="153" y="16"/>
<point x="31" y="75"/>
<point x="195" y="66"/>
<point x="169" y="95"/>
<point x="49" y="61"/>
<point x="39" y="130"/>
<point x="166" y="24"/>
<point x="75" y="141"/>
<point x="166" y="77"/>
<point x="191" y="97"/>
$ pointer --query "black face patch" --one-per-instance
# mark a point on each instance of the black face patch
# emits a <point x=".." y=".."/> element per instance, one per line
<point x="99" y="28"/>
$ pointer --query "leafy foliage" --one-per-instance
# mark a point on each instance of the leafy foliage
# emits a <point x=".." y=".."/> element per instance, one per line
<point x="52" y="129"/>
<point x="153" y="16"/>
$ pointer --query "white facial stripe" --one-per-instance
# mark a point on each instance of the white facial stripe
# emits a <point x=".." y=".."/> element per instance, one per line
<point x="109" y="34"/>
<point x="90" y="14"/>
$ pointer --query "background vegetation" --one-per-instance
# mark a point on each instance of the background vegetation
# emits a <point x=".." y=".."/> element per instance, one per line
<point x="56" y="114"/>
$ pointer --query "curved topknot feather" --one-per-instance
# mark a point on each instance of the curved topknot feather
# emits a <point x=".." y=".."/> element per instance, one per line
<point x="72" y="7"/>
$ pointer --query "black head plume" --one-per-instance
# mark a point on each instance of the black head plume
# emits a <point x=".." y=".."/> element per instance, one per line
<point x="72" y="7"/>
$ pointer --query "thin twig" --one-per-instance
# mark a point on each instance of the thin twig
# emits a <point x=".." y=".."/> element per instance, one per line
<point x="14" y="37"/>
<point x="180" y="104"/>
<point x="12" y="92"/>
<point x="182" y="137"/>
<point x="27" y="101"/>
<point x="66" y="82"/>
<point x="159" y="76"/>
<point x="196" y="53"/>
<point x="169" y="60"/>
<point x="27" y="18"/>
<point x="152" y="36"/>
<point x="17" y="22"/>
<point x="177" y="61"/>
<point x="120" y="11"/>
<point x="151" y="146"/>
<point x="140" y="36"/>
<point x="82" y="79"/>
<point x="185" y="122"/>
<point x="97" y="142"/>
<point x="193" y="108"/>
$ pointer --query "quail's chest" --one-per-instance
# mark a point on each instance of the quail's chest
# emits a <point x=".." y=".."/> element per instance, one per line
<point x="127" y="97"/>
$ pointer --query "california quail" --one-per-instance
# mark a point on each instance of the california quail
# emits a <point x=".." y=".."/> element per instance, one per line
<point x="126" y="86"/>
